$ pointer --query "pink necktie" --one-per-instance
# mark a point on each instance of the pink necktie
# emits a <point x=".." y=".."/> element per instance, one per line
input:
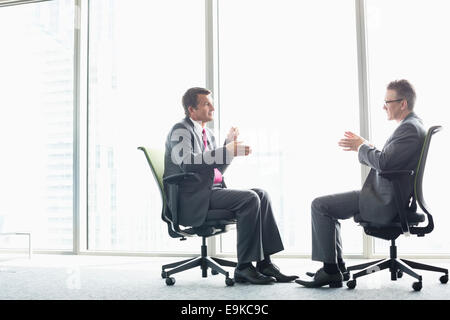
<point x="217" y="173"/>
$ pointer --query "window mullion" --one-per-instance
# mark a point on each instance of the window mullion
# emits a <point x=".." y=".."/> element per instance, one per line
<point x="363" y="81"/>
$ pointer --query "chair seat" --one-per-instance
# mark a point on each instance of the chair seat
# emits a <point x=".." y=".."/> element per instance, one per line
<point x="390" y="230"/>
<point x="217" y="222"/>
<point x="413" y="219"/>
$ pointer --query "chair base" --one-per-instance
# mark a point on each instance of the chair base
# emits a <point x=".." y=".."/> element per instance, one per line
<point x="202" y="261"/>
<point x="396" y="267"/>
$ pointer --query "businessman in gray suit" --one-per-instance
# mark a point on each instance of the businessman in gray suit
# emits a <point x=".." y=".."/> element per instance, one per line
<point x="192" y="147"/>
<point x="375" y="201"/>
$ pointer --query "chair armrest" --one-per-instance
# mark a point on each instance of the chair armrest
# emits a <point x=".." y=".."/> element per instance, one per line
<point x="393" y="174"/>
<point x="179" y="177"/>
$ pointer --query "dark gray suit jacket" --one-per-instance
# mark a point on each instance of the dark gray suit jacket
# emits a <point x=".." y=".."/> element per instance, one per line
<point x="400" y="152"/>
<point x="185" y="153"/>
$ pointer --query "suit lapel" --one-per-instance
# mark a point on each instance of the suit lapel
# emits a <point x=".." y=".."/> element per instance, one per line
<point x="197" y="141"/>
<point x="210" y="139"/>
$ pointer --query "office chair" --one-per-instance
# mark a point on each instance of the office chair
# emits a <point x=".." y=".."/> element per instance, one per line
<point x="217" y="222"/>
<point x="406" y="223"/>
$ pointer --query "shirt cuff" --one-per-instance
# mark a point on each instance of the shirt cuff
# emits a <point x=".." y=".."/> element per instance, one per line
<point x="365" y="142"/>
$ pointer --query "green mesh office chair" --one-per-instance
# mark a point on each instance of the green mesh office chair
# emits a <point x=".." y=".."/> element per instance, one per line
<point x="407" y="223"/>
<point x="217" y="222"/>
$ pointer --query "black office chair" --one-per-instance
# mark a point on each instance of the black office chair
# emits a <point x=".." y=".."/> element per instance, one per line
<point x="217" y="222"/>
<point x="406" y="223"/>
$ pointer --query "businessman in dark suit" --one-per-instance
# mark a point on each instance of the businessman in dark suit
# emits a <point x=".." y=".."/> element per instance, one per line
<point x="375" y="202"/>
<point x="191" y="147"/>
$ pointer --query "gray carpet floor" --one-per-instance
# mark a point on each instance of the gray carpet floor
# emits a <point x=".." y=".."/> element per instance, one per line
<point x="83" y="277"/>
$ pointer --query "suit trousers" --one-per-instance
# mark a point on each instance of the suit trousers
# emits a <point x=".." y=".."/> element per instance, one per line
<point x="257" y="230"/>
<point x="326" y="229"/>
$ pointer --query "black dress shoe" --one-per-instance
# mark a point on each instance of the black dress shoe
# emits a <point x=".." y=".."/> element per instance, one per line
<point x="345" y="275"/>
<point x="321" y="278"/>
<point x="251" y="275"/>
<point x="273" y="271"/>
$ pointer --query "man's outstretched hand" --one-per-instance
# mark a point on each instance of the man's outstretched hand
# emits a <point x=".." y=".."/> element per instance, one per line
<point x="238" y="149"/>
<point x="233" y="134"/>
<point x="351" y="141"/>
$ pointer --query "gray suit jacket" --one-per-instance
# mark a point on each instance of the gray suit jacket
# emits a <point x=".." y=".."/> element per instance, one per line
<point x="184" y="152"/>
<point x="400" y="152"/>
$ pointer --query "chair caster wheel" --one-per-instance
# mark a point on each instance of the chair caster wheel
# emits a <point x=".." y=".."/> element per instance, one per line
<point x="163" y="274"/>
<point x="444" y="279"/>
<point x="399" y="274"/>
<point x="351" y="284"/>
<point x="214" y="272"/>
<point x="229" y="282"/>
<point x="170" y="281"/>
<point x="346" y="276"/>
<point x="417" y="286"/>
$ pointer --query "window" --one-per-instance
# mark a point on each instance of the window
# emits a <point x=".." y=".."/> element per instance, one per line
<point x="36" y="122"/>
<point x="143" y="56"/>
<point x="288" y="81"/>
<point x="401" y="48"/>
<point x="286" y="75"/>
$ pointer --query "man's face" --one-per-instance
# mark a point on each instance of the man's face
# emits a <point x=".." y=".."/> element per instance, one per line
<point x="205" y="109"/>
<point x="394" y="108"/>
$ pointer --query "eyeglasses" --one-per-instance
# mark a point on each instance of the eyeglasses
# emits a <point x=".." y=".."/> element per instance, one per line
<point x="389" y="101"/>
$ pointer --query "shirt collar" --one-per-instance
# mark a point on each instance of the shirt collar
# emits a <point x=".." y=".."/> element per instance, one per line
<point x="197" y="126"/>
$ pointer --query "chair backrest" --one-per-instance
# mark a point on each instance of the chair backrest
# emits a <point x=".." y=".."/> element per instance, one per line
<point x="418" y="191"/>
<point x="155" y="159"/>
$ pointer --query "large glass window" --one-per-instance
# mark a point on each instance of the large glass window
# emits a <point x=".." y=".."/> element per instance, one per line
<point x="36" y="122"/>
<point x="287" y="78"/>
<point x="288" y="81"/>
<point x="143" y="55"/>
<point x="407" y="39"/>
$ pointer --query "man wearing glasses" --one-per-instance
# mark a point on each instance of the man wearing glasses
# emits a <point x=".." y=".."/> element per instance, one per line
<point x="375" y="202"/>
